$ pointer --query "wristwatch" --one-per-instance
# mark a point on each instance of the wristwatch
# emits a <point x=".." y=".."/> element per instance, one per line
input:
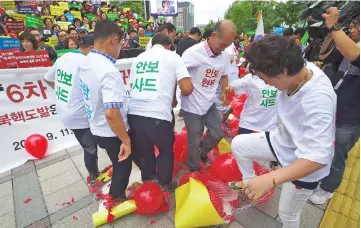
<point x="335" y="27"/>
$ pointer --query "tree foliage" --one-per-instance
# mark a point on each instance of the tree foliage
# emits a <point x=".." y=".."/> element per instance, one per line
<point x="136" y="6"/>
<point x="210" y="25"/>
<point x="244" y="14"/>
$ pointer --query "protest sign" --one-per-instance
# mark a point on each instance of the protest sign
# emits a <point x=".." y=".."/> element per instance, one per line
<point x="70" y="17"/>
<point x="91" y="17"/>
<point x="76" y="14"/>
<point x="16" y="26"/>
<point x="143" y="41"/>
<point x="8" y="57"/>
<point x="56" y="10"/>
<point x="8" y="4"/>
<point x="18" y="17"/>
<point x="61" y="52"/>
<point x="77" y="6"/>
<point x="34" y="21"/>
<point x="53" y="41"/>
<point x="31" y="59"/>
<point x="7" y="43"/>
<point x="28" y="9"/>
<point x="112" y="16"/>
<point x="63" y="25"/>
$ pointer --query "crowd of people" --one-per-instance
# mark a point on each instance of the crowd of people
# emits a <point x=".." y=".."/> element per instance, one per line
<point x="289" y="116"/>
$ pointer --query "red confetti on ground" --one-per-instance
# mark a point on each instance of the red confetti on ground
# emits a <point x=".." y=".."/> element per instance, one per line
<point x="106" y="169"/>
<point x="27" y="200"/>
<point x="110" y="217"/>
<point x="75" y="218"/>
<point x="72" y="199"/>
<point x="152" y="221"/>
<point x="235" y="203"/>
<point x="88" y="179"/>
<point x="110" y="174"/>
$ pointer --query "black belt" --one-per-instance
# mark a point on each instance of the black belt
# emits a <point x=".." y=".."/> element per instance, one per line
<point x="301" y="184"/>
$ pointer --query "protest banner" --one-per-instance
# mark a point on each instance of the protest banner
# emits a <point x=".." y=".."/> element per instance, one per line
<point x="53" y="41"/>
<point x="18" y="17"/>
<point x="63" y="25"/>
<point x="34" y="21"/>
<point x="70" y="17"/>
<point x="34" y="113"/>
<point x="91" y="17"/>
<point x="8" y="4"/>
<point x="61" y="52"/>
<point x="77" y="14"/>
<point x="16" y="26"/>
<point x="112" y="16"/>
<point x="27" y="9"/>
<point x="32" y="59"/>
<point x="8" y="57"/>
<point x="76" y="6"/>
<point x="56" y="10"/>
<point x="143" y="41"/>
<point x="7" y="43"/>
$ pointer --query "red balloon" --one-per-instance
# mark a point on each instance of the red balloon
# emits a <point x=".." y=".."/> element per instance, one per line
<point x="36" y="145"/>
<point x="148" y="198"/>
<point x="242" y="71"/>
<point x="225" y="168"/>
<point x="195" y="175"/>
<point x="237" y="108"/>
<point x="180" y="147"/>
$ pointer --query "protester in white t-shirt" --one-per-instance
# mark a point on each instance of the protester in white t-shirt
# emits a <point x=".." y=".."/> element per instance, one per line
<point x="259" y="111"/>
<point x="154" y="76"/>
<point x="106" y="103"/>
<point x="63" y="76"/>
<point x="207" y="65"/>
<point x="303" y="142"/>
<point x="233" y="56"/>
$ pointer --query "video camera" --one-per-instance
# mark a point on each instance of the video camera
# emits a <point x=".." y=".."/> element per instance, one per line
<point x="348" y="10"/>
<point x="46" y="35"/>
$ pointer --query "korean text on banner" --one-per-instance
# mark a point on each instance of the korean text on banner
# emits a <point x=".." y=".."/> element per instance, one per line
<point x="33" y="21"/>
<point x="18" y="17"/>
<point x="31" y="59"/>
<point x="8" y="58"/>
<point x="16" y="26"/>
<point x="143" y="41"/>
<point x="8" y="4"/>
<point x="34" y="113"/>
<point x="29" y="9"/>
<point x="112" y="16"/>
<point x="56" y="10"/>
<point x="63" y="25"/>
<point x="9" y="43"/>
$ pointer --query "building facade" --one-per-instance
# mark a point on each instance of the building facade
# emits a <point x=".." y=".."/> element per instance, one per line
<point x="185" y="18"/>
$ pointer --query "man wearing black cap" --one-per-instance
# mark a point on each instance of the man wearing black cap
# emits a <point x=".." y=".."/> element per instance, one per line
<point x="63" y="76"/>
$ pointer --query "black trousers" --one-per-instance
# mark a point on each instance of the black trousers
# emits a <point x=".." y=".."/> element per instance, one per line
<point x="145" y="134"/>
<point x="173" y="119"/>
<point x="121" y="170"/>
<point x="87" y="142"/>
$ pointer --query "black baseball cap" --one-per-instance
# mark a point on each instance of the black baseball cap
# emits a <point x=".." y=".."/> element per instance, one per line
<point x="87" y="40"/>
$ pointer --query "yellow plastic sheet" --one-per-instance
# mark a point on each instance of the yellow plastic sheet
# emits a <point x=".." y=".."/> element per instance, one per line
<point x="127" y="207"/>
<point x="104" y="176"/>
<point x="224" y="147"/>
<point x="194" y="207"/>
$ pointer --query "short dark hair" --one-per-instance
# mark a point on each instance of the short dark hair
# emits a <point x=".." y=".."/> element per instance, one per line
<point x="356" y="21"/>
<point x="105" y="28"/>
<point x="45" y="19"/>
<point x="272" y="54"/>
<point x="86" y="41"/>
<point x="207" y="33"/>
<point x="76" y="19"/>
<point x="57" y="34"/>
<point x="54" y="25"/>
<point x="133" y="30"/>
<point x="288" y="31"/>
<point x="70" y="29"/>
<point x="162" y="39"/>
<point x="30" y="37"/>
<point x="300" y="31"/>
<point x="66" y="42"/>
<point x="169" y="26"/>
<point x="195" y="30"/>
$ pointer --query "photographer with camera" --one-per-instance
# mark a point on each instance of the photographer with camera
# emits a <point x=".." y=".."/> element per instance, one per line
<point x="41" y="42"/>
<point x="346" y="82"/>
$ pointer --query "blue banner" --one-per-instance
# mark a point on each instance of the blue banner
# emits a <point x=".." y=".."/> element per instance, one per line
<point x="9" y="43"/>
<point x="27" y="10"/>
<point x="70" y="17"/>
<point x="278" y="30"/>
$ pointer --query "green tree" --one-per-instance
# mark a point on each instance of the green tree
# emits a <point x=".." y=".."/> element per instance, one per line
<point x="136" y="6"/>
<point x="244" y="14"/>
<point x="210" y="25"/>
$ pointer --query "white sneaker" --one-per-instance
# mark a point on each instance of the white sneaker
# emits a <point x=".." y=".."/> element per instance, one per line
<point x="320" y="196"/>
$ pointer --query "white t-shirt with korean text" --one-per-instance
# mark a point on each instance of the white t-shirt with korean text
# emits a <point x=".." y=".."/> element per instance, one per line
<point x="259" y="111"/>
<point x="69" y="96"/>
<point x="102" y="83"/>
<point x="205" y="73"/>
<point x="153" y="78"/>
<point x="306" y="124"/>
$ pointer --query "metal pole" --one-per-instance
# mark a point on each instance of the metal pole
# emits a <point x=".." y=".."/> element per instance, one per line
<point x="145" y="10"/>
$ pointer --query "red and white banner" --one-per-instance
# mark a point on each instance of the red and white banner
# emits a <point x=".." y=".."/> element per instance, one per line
<point x="34" y="113"/>
<point x="31" y="59"/>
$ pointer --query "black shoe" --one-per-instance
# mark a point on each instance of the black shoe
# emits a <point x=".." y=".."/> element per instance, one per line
<point x="119" y="198"/>
<point x="205" y="160"/>
<point x="168" y="187"/>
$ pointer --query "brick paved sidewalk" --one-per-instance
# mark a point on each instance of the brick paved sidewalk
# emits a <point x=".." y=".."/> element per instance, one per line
<point x="54" y="180"/>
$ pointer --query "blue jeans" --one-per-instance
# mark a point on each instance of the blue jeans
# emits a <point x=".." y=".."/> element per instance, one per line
<point x="346" y="137"/>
